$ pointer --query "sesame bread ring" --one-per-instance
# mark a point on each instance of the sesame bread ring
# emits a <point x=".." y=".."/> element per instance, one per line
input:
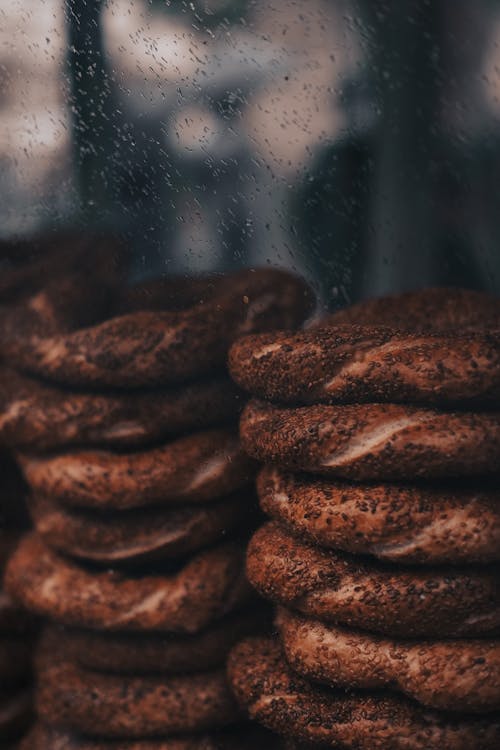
<point x="434" y="309"/>
<point x="183" y="600"/>
<point x="141" y="535"/>
<point x="365" y="364"/>
<point x="153" y="653"/>
<point x="28" y="265"/>
<point x="64" y="302"/>
<point x="450" y="675"/>
<point x="146" y="348"/>
<point x="16" y="708"/>
<point x="373" y="441"/>
<point x="399" y="602"/>
<point x="131" y="707"/>
<point x="192" y="469"/>
<point x="240" y="738"/>
<point x="286" y="703"/>
<point x="411" y="524"/>
<point x="40" y="417"/>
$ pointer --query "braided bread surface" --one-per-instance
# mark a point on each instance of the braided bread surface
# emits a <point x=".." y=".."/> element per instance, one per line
<point x="431" y="309"/>
<point x="39" y="417"/>
<point x="159" y="347"/>
<point x="373" y="441"/>
<point x="286" y="703"/>
<point x="411" y="524"/>
<point x="154" y="653"/>
<point x="351" y="364"/>
<point x="131" y="707"/>
<point x="450" y="675"/>
<point x="192" y="469"/>
<point x="186" y="600"/>
<point x="145" y="534"/>
<point x="396" y="601"/>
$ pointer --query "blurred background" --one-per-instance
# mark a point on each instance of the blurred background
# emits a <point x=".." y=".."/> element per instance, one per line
<point x="355" y="142"/>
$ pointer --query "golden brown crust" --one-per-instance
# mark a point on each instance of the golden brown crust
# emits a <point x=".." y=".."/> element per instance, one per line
<point x="450" y="675"/>
<point x="39" y="417"/>
<point x="433" y="309"/>
<point x="373" y="441"/>
<point x="146" y="534"/>
<point x="30" y="262"/>
<point x="399" y="602"/>
<point x="131" y="707"/>
<point x="399" y="523"/>
<point x="193" y="469"/>
<point x="240" y="738"/>
<point x="155" y="653"/>
<point x="146" y="348"/>
<point x="351" y="364"/>
<point x="204" y="589"/>
<point x="286" y="703"/>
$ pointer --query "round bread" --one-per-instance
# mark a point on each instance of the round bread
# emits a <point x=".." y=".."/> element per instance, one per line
<point x="192" y="469"/>
<point x="240" y="738"/>
<point x="40" y="417"/>
<point x="373" y="441"/>
<point x="433" y="309"/>
<point x="141" y="535"/>
<point x="451" y="675"/>
<point x="15" y="659"/>
<point x="147" y="348"/>
<point x="152" y="653"/>
<point x="337" y="588"/>
<point x="15" y="712"/>
<point x="409" y="524"/>
<point x="183" y="600"/>
<point x="130" y="707"/>
<point x="355" y="364"/>
<point x="286" y="703"/>
<point x="28" y="265"/>
<point x="76" y="298"/>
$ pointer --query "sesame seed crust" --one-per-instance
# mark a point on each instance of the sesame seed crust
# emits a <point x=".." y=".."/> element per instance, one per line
<point x="410" y="524"/>
<point x="283" y="701"/>
<point x="372" y="441"/>
<point x="205" y="588"/>
<point x="450" y="675"/>
<point x="447" y="602"/>
<point x="353" y="363"/>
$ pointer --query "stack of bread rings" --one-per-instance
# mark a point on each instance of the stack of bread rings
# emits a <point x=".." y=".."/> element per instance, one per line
<point x="126" y="432"/>
<point x="380" y="434"/>
<point x="16" y="627"/>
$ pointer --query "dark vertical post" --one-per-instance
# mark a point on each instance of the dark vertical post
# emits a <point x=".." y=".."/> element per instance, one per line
<point x="92" y="110"/>
<point x="406" y="64"/>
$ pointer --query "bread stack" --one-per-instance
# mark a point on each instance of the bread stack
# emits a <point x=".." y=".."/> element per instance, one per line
<point x="16" y="627"/>
<point x="380" y="435"/>
<point x="139" y="493"/>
